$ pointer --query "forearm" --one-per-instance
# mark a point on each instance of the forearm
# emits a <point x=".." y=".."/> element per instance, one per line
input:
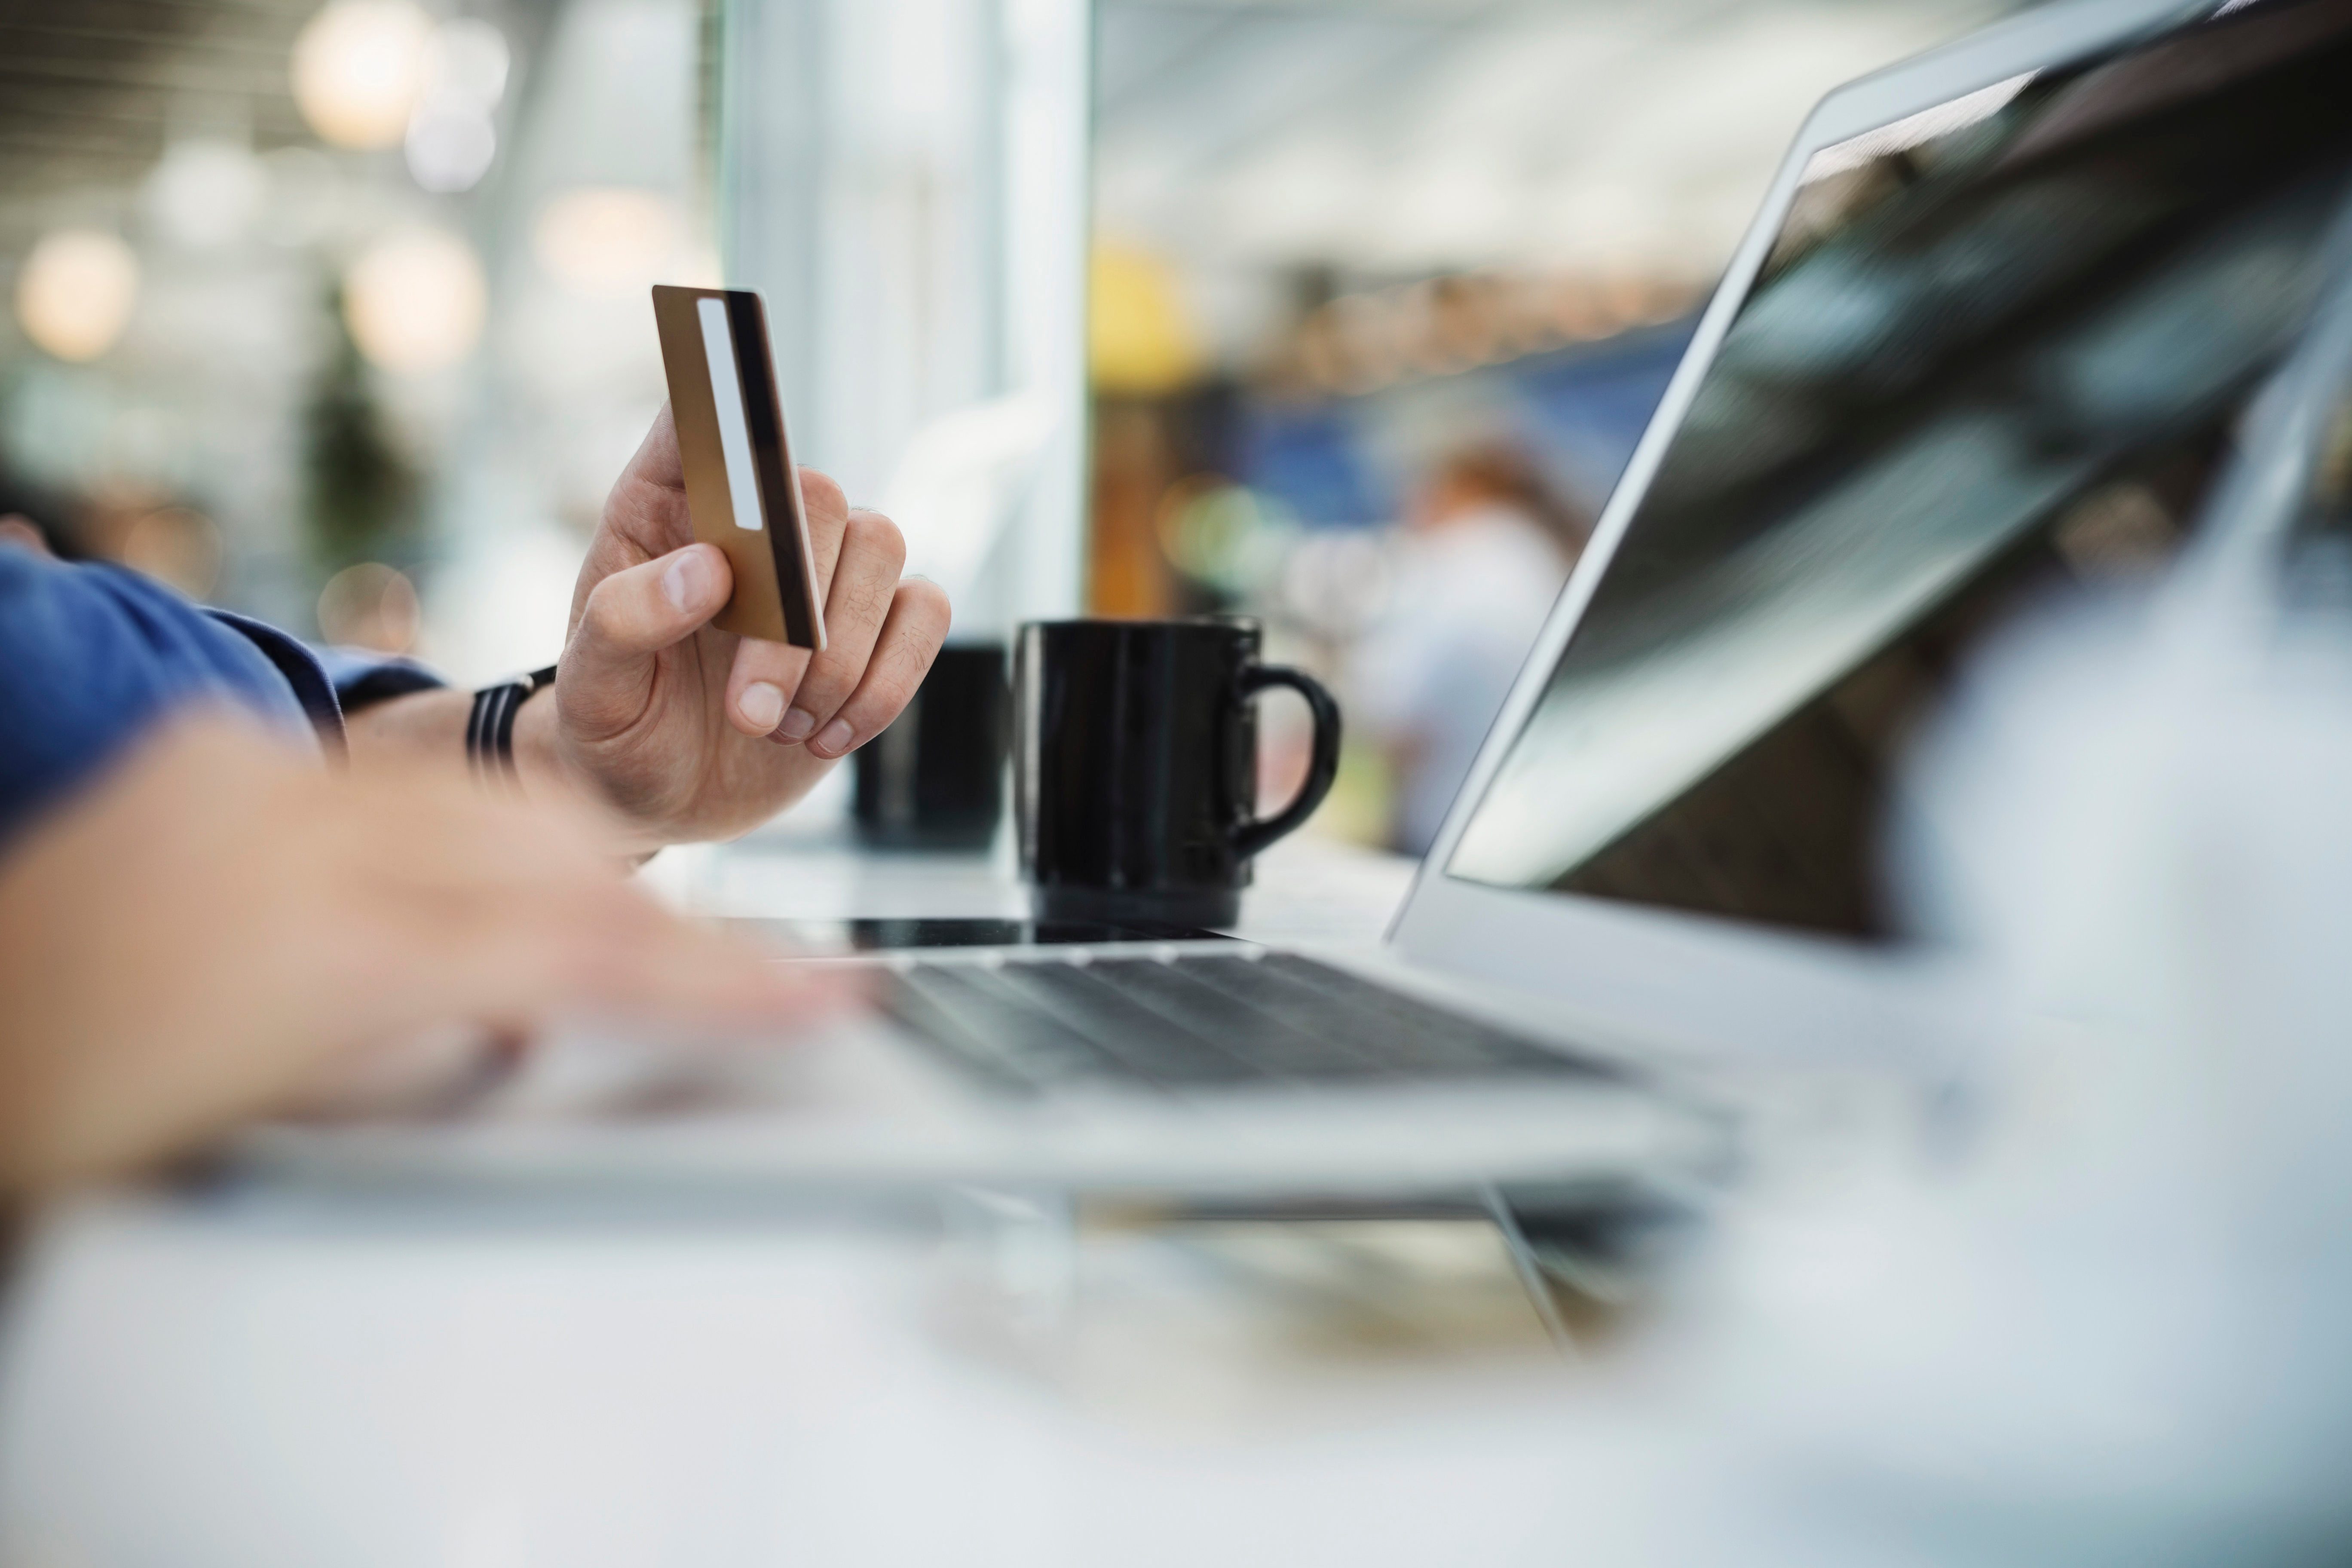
<point x="423" y="727"/>
<point x="430" y="727"/>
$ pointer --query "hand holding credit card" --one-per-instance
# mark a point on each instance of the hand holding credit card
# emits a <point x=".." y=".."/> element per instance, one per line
<point x="738" y="627"/>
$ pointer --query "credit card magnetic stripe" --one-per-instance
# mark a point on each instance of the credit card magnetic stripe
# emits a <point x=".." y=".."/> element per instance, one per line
<point x="779" y="490"/>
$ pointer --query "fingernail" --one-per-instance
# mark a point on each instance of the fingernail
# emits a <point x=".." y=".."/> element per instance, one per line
<point x="761" y="704"/>
<point x="836" y="739"/>
<point x="685" y="584"/>
<point x="796" y="725"/>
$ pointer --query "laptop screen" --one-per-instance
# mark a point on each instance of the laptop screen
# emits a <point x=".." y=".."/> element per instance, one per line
<point x="1995" y="350"/>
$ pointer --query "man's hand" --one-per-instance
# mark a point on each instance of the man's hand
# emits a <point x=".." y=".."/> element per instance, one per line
<point x="695" y="733"/>
<point x="220" y="923"/>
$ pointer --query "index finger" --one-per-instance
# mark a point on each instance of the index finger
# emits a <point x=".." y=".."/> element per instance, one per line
<point x="658" y="461"/>
<point x="645" y="514"/>
<point x="828" y="521"/>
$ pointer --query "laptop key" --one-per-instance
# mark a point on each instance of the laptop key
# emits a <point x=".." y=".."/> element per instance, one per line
<point x="1406" y="1036"/>
<point x="1367" y="1037"/>
<point x="1155" y="1046"/>
<point x="1496" y="1048"/>
<point x="1291" y="1047"/>
<point x="1011" y="1047"/>
<point x="1201" y="1022"/>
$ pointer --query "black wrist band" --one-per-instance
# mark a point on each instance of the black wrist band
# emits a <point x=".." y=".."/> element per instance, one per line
<point x="489" y="730"/>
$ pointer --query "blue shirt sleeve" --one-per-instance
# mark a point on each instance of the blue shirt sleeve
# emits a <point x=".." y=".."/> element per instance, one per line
<point x="363" y="678"/>
<point x="92" y="655"/>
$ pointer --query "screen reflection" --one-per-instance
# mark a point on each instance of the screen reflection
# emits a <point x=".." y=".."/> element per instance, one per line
<point x="1997" y="348"/>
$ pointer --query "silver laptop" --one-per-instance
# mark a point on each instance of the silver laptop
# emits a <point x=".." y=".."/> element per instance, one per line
<point x="1987" y="342"/>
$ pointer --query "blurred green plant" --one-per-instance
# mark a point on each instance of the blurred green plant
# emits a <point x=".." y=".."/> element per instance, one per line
<point x="362" y="490"/>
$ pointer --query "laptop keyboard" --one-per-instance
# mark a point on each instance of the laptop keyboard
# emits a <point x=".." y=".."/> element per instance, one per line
<point x="1200" y="1020"/>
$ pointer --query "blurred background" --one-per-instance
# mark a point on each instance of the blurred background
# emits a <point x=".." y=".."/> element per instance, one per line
<point x="1340" y="312"/>
<point x="337" y="316"/>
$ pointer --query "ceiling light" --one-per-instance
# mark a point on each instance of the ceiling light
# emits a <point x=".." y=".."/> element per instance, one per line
<point x="359" y="70"/>
<point x="450" y="147"/>
<point x="415" y="301"/>
<point x="466" y="63"/>
<point x="74" y="294"/>
<point x="606" y="240"/>
<point x="205" y="194"/>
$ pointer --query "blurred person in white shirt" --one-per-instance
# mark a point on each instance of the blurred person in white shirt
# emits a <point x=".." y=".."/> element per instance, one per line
<point x="1487" y="544"/>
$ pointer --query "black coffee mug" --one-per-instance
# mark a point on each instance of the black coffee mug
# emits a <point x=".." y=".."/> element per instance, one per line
<point x="935" y="778"/>
<point x="1135" y="767"/>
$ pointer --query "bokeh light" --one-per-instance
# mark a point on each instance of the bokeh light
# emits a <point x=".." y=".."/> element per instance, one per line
<point x="370" y="605"/>
<point x="466" y="63"/>
<point x="449" y="147"/>
<point x="606" y="240"/>
<point x="415" y="300"/>
<point x="1141" y="338"/>
<point x="359" y="69"/>
<point x="76" y="293"/>
<point x="206" y="193"/>
<point x="175" y="546"/>
<point x="453" y="135"/>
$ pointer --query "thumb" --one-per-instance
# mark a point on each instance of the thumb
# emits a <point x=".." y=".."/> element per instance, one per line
<point x="640" y="611"/>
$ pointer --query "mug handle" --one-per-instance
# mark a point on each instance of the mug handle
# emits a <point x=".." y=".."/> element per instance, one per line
<point x="1322" y="768"/>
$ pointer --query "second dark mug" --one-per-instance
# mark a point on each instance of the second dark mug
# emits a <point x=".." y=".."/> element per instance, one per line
<point x="935" y="778"/>
<point x="1135" y="767"/>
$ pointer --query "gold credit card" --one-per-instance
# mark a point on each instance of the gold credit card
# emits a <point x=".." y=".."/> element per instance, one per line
<point x="742" y="486"/>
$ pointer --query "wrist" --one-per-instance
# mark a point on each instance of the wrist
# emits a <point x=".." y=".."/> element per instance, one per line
<point x="542" y="765"/>
<point x="490" y="729"/>
<point x="546" y="767"/>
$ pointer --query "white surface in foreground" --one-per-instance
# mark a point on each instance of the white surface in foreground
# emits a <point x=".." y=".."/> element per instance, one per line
<point x="192" y="1389"/>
